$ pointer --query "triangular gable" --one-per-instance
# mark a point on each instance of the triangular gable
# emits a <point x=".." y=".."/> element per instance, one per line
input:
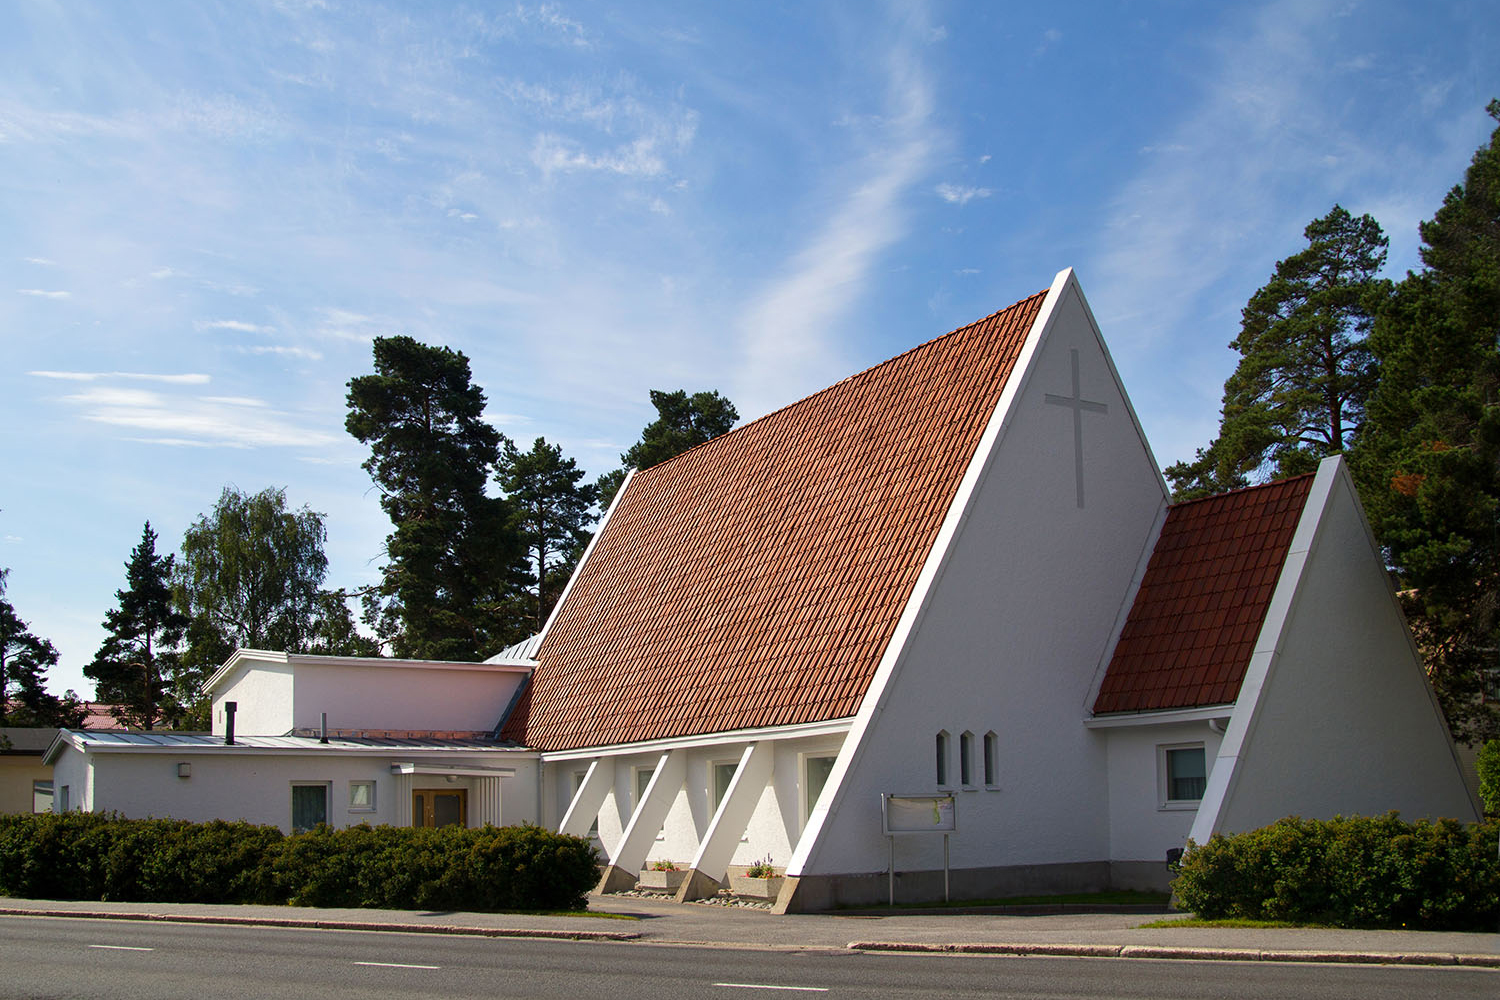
<point x="756" y="580"/>
<point x="1336" y="696"/>
<point x="1203" y="600"/>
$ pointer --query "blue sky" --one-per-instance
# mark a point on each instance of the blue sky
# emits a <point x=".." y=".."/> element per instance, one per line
<point x="209" y="210"/>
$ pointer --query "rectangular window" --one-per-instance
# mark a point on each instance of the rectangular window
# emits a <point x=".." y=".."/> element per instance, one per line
<point x="61" y="803"/>
<point x="578" y="777"/>
<point x="361" y="796"/>
<point x="723" y="774"/>
<point x="309" y="806"/>
<point x="1186" y="770"/>
<point x="816" y="771"/>
<point x="642" y="782"/>
<point x="942" y="759"/>
<point x="965" y="759"/>
<point x="41" y="796"/>
<point x="990" y="759"/>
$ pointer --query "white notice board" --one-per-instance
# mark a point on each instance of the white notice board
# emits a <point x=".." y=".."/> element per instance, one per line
<point x="919" y="814"/>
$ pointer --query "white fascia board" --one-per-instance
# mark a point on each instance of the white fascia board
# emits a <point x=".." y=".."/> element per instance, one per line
<point x="1242" y="721"/>
<point x="1164" y="717"/>
<point x="834" y="727"/>
<point x="239" y="749"/>
<point x="587" y="551"/>
<point x="64" y="738"/>
<point x="461" y="770"/>
<point x="875" y="697"/>
<point x="298" y="661"/>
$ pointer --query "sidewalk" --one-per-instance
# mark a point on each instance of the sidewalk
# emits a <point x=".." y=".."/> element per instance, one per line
<point x="661" y="922"/>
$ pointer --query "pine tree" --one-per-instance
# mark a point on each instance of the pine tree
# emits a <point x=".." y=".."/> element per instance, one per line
<point x="1428" y="465"/>
<point x="682" y="422"/>
<point x="137" y="663"/>
<point x="1305" y="373"/>
<point x="553" y="513"/>
<point x="453" y="553"/>
<point x="25" y="659"/>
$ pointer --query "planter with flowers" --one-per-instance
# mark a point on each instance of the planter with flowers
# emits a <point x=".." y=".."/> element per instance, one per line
<point x="661" y="876"/>
<point x="760" y="881"/>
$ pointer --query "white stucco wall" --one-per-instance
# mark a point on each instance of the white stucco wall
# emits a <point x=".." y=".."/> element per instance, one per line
<point x="1346" y="723"/>
<point x="772" y="831"/>
<point x="1141" y="826"/>
<point x="255" y="786"/>
<point x="365" y="696"/>
<point x="262" y="693"/>
<point x="1012" y="634"/>
<point x="276" y="695"/>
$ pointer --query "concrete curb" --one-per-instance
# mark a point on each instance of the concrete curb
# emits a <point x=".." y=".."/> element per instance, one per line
<point x="1192" y="954"/>
<point x="333" y="925"/>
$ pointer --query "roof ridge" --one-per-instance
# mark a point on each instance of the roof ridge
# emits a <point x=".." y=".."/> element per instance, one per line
<point x="1242" y="489"/>
<point x="849" y="378"/>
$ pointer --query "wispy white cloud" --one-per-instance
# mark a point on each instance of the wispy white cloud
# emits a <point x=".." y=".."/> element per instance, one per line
<point x="42" y="293"/>
<point x="306" y="353"/>
<point x="43" y="261"/>
<point x="201" y="421"/>
<point x="163" y="272"/>
<point x="791" y="327"/>
<point x="238" y="326"/>
<point x="192" y="378"/>
<point x="955" y="194"/>
<point x="551" y="153"/>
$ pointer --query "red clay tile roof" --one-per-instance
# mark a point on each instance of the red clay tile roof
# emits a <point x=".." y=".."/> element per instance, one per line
<point x="756" y="579"/>
<point x="1203" y="600"/>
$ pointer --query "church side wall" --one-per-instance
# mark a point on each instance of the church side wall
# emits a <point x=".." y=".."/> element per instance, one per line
<point x="1009" y="642"/>
<point x="1346" y="723"/>
<point x="1143" y="823"/>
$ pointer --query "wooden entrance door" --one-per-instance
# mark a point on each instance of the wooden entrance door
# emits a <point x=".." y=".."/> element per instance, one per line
<point x="440" y="807"/>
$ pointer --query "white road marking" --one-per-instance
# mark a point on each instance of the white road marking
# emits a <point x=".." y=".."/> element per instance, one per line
<point x="763" y="986"/>
<point x="398" y="965"/>
<point x="119" y="947"/>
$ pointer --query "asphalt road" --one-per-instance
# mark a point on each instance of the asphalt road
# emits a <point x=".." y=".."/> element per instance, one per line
<point x="43" y="958"/>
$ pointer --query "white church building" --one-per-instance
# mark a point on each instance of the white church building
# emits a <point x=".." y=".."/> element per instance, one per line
<point x="950" y="588"/>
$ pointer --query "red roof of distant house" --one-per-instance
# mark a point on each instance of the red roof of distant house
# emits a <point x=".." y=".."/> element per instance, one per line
<point x="756" y="580"/>
<point x="1203" y="600"/>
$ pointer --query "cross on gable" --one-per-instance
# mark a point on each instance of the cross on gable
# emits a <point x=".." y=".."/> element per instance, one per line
<point x="1078" y="405"/>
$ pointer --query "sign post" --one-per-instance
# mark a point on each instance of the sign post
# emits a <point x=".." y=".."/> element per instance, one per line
<point x="917" y="814"/>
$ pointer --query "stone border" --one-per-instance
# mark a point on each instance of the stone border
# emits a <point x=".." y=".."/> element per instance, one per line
<point x="334" y="925"/>
<point x="1192" y="954"/>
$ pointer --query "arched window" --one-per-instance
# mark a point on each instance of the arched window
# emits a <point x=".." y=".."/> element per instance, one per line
<point x="942" y="758"/>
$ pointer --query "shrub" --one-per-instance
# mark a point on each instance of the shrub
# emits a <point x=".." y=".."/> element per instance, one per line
<point x="1354" y="872"/>
<point x="86" y="856"/>
<point x="1488" y="765"/>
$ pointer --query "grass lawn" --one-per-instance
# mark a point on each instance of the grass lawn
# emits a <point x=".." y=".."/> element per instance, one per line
<point x="1068" y="899"/>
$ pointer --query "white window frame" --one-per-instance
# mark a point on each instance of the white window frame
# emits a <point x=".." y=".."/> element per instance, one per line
<point x="1163" y="777"/>
<point x="362" y="810"/>
<point x="327" y="787"/>
<point x="805" y="807"/>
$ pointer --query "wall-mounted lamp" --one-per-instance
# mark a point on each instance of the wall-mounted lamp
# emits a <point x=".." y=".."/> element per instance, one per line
<point x="450" y="778"/>
<point x="184" y="770"/>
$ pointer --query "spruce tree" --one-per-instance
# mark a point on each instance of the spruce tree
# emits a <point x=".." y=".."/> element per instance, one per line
<point x="137" y="663"/>
<point x="1428" y="465"/>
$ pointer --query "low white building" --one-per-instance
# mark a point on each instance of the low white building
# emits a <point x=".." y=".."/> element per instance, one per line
<point x="955" y="578"/>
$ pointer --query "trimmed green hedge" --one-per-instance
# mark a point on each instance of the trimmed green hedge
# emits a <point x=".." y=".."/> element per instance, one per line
<point x="1349" y="872"/>
<point x="80" y="855"/>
